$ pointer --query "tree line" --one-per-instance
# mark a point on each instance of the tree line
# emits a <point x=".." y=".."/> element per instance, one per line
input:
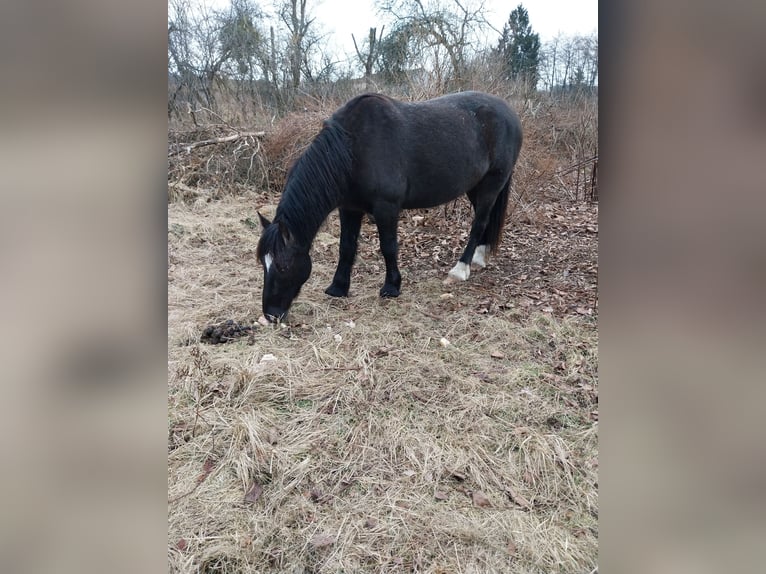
<point x="273" y="53"/>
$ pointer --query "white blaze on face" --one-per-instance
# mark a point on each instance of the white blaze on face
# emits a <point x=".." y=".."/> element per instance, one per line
<point x="480" y="256"/>
<point x="267" y="261"/>
<point x="461" y="271"/>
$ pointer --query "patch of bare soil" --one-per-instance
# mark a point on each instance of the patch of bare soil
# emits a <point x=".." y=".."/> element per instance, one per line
<point x="454" y="429"/>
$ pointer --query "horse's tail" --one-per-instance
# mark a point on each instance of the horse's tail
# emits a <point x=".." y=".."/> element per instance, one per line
<point x="497" y="217"/>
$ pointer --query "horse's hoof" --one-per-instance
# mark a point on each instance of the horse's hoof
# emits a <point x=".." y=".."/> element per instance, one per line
<point x="480" y="257"/>
<point x="389" y="291"/>
<point x="460" y="272"/>
<point x="334" y="291"/>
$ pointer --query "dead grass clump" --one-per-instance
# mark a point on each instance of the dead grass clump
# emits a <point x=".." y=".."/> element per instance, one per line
<point x="287" y="140"/>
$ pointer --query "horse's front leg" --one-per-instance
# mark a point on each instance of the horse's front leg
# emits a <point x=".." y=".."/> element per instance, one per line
<point x="387" y="219"/>
<point x="350" y="224"/>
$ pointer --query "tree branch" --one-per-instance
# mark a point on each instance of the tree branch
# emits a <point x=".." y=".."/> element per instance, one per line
<point x="187" y="147"/>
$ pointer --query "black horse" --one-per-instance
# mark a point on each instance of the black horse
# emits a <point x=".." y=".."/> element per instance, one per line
<point x="377" y="155"/>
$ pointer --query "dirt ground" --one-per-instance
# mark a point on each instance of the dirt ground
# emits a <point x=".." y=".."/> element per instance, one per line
<point x="454" y="429"/>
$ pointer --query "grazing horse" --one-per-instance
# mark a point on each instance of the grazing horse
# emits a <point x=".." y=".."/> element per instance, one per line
<point x="378" y="155"/>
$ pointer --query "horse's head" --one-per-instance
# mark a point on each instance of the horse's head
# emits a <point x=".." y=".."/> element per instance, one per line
<point x="286" y="267"/>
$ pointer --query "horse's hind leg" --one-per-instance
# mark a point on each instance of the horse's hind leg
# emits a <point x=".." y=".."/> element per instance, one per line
<point x="483" y="198"/>
<point x="350" y="224"/>
<point x="479" y="258"/>
<point x="387" y="219"/>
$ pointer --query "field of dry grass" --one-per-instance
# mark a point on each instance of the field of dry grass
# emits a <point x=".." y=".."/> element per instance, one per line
<point x="452" y="430"/>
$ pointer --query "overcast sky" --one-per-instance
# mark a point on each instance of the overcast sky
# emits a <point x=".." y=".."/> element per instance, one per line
<point x="547" y="17"/>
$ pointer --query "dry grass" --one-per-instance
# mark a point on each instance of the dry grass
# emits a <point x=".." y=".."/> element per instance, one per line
<point x="371" y="441"/>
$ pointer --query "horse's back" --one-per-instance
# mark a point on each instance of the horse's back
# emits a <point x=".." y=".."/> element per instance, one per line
<point x="426" y="153"/>
<point x="495" y="121"/>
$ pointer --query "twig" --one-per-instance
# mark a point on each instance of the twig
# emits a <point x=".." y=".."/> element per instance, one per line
<point x="341" y="369"/>
<point x="578" y="165"/>
<point x="224" y="139"/>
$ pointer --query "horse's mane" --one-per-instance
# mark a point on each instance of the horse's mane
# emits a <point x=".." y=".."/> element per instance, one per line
<point x="316" y="182"/>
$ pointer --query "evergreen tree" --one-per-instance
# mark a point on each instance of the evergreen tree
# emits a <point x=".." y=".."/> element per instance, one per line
<point x="519" y="47"/>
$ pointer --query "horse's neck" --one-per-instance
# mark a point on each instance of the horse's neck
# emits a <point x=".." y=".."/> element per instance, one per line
<point x="303" y="223"/>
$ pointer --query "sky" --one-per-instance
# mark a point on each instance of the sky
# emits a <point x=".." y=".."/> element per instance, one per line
<point x="341" y="18"/>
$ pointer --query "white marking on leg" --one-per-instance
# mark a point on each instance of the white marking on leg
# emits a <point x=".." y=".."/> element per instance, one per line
<point x="460" y="272"/>
<point x="267" y="261"/>
<point x="480" y="256"/>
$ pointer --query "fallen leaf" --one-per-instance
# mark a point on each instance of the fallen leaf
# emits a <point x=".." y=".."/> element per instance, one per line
<point x="383" y="351"/>
<point x="316" y="495"/>
<point x="511" y="548"/>
<point x="370" y="522"/>
<point x="440" y="495"/>
<point x="322" y="540"/>
<point x="517" y="498"/>
<point x="254" y="493"/>
<point x="181" y="545"/>
<point x="457" y="475"/>
<point x="207" y="468"/>
<point x="497" y="355"/>
<point x="480" y="499"/>
<point x="561" y="453"/>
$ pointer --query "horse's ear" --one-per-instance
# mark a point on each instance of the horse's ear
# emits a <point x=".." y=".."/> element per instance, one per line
<point x="285" y="231"/>
<point x="264" y="222"/>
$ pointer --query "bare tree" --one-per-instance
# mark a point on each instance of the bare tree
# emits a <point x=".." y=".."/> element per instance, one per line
<point x="294" y="15"/>
<point x="203" y="44"/>
<point x="370" y="56"/>
<point x="449" y="27"/>
<point x="192" y="59"/>
<point x="570" y="62"/>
